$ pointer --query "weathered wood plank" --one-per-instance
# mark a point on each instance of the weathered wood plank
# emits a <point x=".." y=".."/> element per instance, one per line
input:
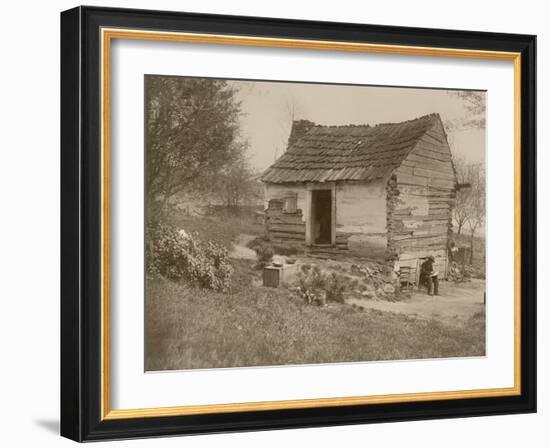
<point x="289" y="228"/>
<point x="423" y="156"/>
<point x="421" y="243"/>
<point x="415" y="255"/>
<point x="284" y="219"/>
<point x="442" y="234"/>
<point x="421" y="251"/>
<point x="439" y="131"/>
<point x="423" y="162"/>
<point x="436" y="232"/>
<point x="287" y="236"/>
<point x="279" y="212"/>
<point x="422" y="218"/>
<point x="404" y="178"/>
<point x="449" y="184"/>
<point x="434" y="174"/>
<point x="414" y="190"/>
<point x="426" y="151"/>
<point x="434" y="183"/>
<point x="439" y="206"/>
<point x="436" y="150"/>
<point x="435" y="139"/>
<point x="421" y="239"/>
<point x="441" y="227"/>
<point x="430" y="192"/>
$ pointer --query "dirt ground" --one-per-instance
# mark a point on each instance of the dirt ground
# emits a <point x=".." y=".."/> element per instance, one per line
<point x="240" y="251"/>
<point x="456" y="303"/>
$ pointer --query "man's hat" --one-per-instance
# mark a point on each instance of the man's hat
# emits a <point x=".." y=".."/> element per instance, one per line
<point x="430" y="257"/>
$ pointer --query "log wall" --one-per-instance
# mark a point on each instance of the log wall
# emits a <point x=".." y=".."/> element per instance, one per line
<point x="282" y="227"/>
<point x="286" y="228"/>
<point x="420" y="199"/>
<point x="281" y="191"/>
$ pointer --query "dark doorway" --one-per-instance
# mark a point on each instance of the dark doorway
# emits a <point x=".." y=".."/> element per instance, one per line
<point x="321" y="205"/>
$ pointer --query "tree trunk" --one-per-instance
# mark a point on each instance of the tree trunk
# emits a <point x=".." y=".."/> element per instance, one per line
<point x="472" y="247"/>
<point x="167" y="194"/>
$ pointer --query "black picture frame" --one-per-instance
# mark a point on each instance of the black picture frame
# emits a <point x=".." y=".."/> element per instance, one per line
<point x="81" y="224"/>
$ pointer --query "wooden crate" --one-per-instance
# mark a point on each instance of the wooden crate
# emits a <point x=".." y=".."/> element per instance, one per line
<point x="275" y="276"/>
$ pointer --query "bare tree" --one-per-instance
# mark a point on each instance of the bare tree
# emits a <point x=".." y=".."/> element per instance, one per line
<point x="476" y="202"/>
<point x="470" y="201"/>
<point x="290" y="111"/>
<point x="461" y="213"/>
<point x="469" y="210"/>
<point x="475" y="105"/>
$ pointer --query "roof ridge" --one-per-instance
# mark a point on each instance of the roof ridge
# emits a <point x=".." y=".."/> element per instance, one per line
<point x="423" y="117"/>
<point x="368" y="125"/>
<point x="350" y="125"/>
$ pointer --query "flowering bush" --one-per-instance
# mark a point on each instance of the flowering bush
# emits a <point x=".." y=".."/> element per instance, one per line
<point x="316" y="287"/>
<point x="179" y="256"/>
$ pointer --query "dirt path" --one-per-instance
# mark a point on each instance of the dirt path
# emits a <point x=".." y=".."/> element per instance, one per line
<point x="240" y="250"/>
<point x="457" y="302"/>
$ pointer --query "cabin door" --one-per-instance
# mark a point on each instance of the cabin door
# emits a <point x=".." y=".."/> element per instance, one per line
<point x="321" y="207"/>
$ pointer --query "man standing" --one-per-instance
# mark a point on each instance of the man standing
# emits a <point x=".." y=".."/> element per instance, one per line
<point x="429" y="276"/>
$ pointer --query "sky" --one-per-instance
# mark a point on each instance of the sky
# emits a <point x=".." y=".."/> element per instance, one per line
<point x="268" y="109"/>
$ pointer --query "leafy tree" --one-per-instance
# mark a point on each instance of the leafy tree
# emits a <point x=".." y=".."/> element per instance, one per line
<point x="191" y="133"/>
<point x="237" y="183"/>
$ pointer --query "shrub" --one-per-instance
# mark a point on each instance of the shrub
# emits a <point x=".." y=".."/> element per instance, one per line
<point x="311" y="284"/>
<point x="336" y="287"/>
<point x="316" y="287"/>
<point x="280" y="249"/>
<point x="178" y="256"/>
<point x="264" y="253"/>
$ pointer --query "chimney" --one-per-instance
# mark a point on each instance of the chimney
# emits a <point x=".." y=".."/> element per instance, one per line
<point x="299" y="128"/>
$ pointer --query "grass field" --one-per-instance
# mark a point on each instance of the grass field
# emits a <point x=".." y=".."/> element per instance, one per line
<point x="221" y="228"/>
<point x="188" y="328"/>
<point x="250" y="325"/>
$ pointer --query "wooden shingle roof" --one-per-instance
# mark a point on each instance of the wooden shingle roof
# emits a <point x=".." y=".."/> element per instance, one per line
<point x="362" y="153"/>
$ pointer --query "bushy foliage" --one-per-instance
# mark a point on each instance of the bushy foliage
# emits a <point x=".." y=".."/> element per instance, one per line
<point x="316" y="287"/>
<point x="178" y="256"/>
<point x="336" y="287"/>
<point x="192" y="133"/>
<point x="279" y="248"/>
<point x="264" y="254"/>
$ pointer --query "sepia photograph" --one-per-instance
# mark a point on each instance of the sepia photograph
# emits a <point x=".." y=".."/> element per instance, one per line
<point x="282" y="223"/>
<point x="291" y="223"/>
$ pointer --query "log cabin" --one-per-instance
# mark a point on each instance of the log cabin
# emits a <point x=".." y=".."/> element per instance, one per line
<point x="373" y="190"/>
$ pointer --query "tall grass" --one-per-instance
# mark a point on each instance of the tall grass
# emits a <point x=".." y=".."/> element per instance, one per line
<point x="221" y="228"/>
<point x="188" y="327"/>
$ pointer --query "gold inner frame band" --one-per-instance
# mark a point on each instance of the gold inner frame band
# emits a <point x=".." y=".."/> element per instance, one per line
<point x="107" y="35"/>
